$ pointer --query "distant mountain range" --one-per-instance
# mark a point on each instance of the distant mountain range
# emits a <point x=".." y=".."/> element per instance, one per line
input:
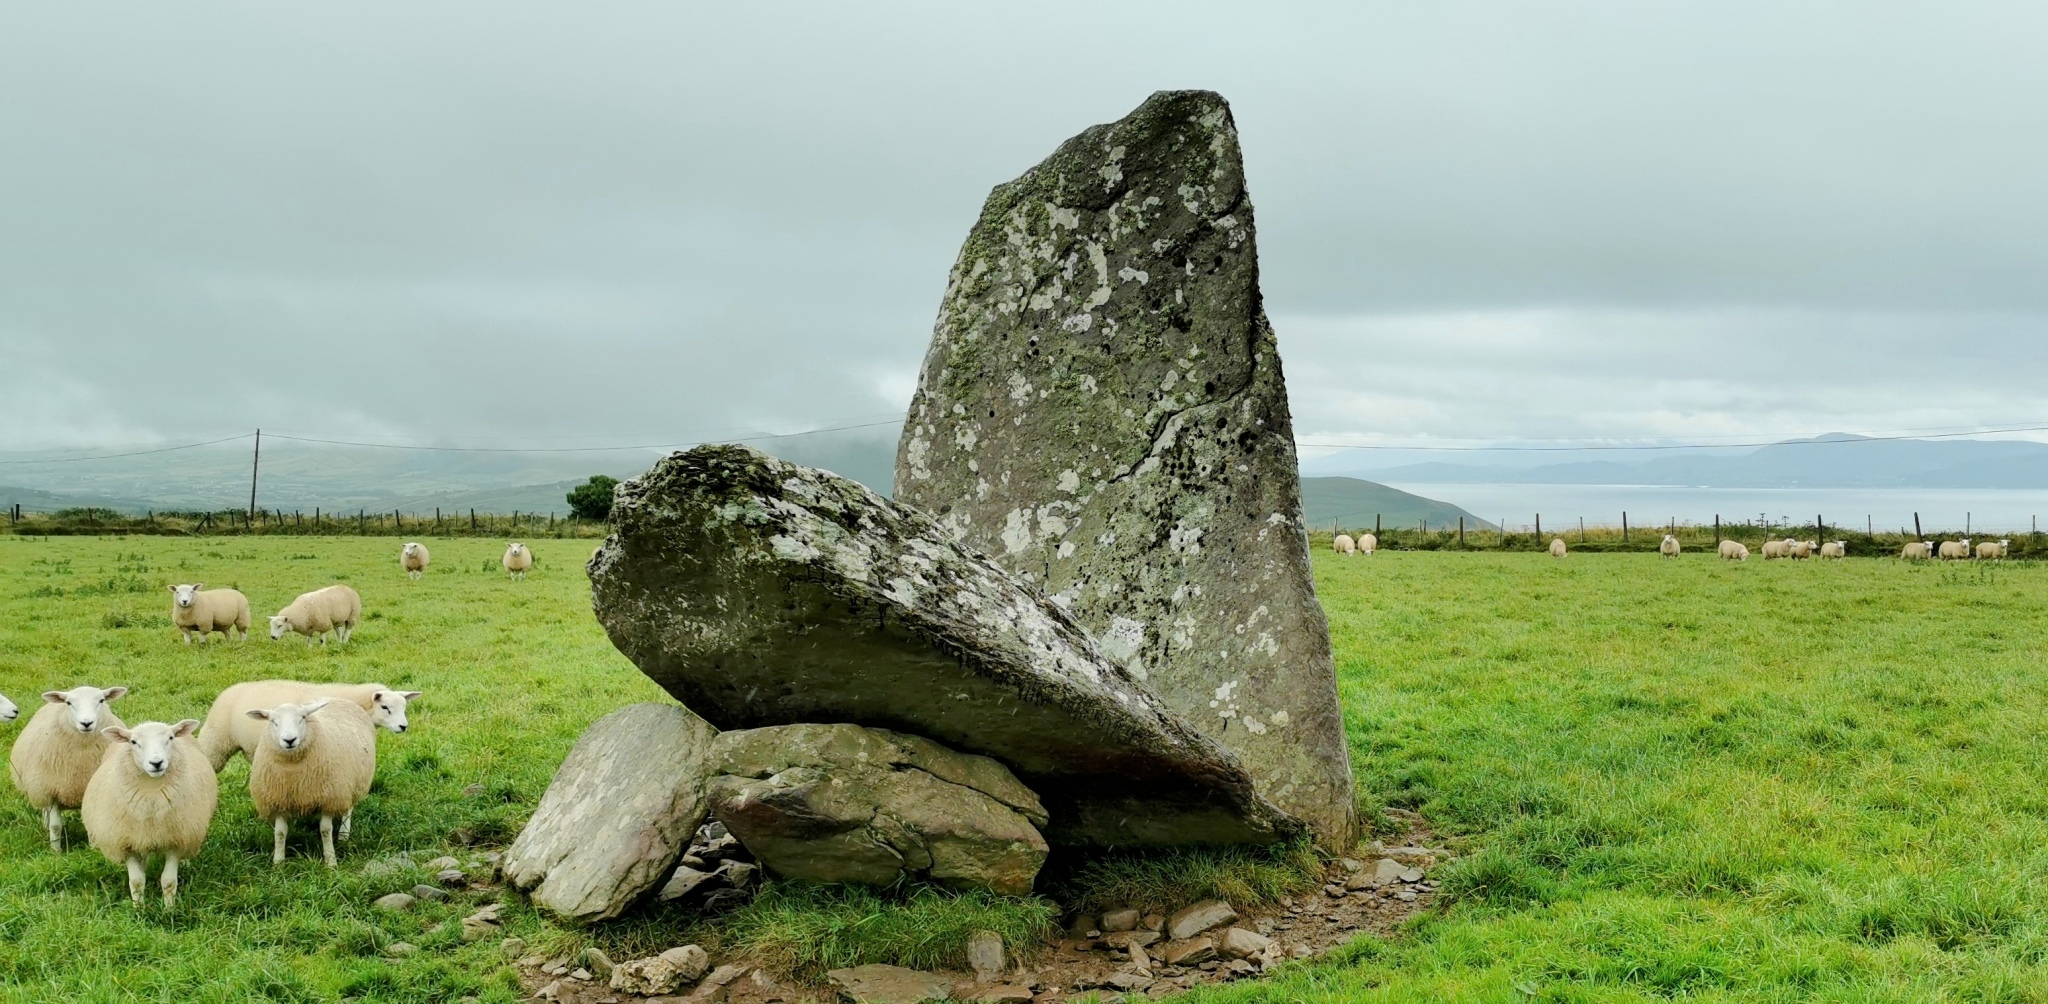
<point x="1354" y="504"/>
<point x="1832" y="461"/>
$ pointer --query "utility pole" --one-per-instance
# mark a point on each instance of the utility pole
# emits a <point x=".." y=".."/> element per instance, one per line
<point x="255" y="459"/>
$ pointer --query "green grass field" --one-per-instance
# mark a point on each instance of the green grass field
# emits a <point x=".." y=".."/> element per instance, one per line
<point x="1679" y="779"/>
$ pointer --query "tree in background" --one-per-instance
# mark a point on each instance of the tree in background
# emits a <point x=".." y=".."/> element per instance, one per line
<point x="592" y="499"/>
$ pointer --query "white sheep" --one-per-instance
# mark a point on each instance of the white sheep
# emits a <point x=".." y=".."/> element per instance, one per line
<point x="1734" y="550"/>
<point x="1917" y="550"/>
<point x="335" y="608"/>
<point x="1803" y="549"/>
<point x="317" y="759"/>
<point x="1557" y="548"/>
<point x="1342" y="544"/>
<point x="517" y="560"/>
<point x="413" y="558"/>
<point x="1994" y="549"/>
<point x="54" y="757"/>
<point x="1835" y="549"/>
<point x="1774" y="549"/>
<point x="230" y="730"/>
<point x="8" y="712"/>
<point x="1954" y="549"/>
<point x="1368" y="543"/>
<point x="1669" y="546"/>
<point x="152" y="794"/>
<point x="198" y="610"/>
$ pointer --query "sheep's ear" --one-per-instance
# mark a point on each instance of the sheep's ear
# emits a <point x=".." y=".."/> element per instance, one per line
<point x="54" y="696"/>
<point x="316" y="706"/>
<point x="115" y="693"/>
<point x="117" y="734"/>
<point x="258" y="713"/>
<point x="410" y="695"/>
<point x="173" y="590"/>
<point x="197" y="586"/>
<point x="186" y="727"/>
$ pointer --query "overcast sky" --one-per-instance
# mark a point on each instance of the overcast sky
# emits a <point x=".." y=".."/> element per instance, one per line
<point x="554" y="224"/>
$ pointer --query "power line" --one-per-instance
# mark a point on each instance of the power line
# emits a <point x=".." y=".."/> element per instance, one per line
<point x="137" y="453"/>
<point x="578" y="449"/>
<point x="1666" y="446"/>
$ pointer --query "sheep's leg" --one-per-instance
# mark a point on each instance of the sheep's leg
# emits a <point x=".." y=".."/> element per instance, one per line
<point x="187" y="632"/>
<point x="347" y="818"/>
<point x="137" y="878"/>
<point x="53" y="821"/>
<point x="169" y="881"/>
<point x="327" y="838"/>
<point x="277" y="828"/>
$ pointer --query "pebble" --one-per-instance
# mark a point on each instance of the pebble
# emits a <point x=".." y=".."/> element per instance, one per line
<point x="511" y="948"/>
<point x="552" y="991"/>
<point x="429" y="892"/>
<point x="400" y="949"/>
<point x="598" y="963"/>
<point x="580" y="974"/>
<point x="1120" y="920"/>
<point x="395" y="902"/>
<point x="443" y="862"/>
<point x="452" y="876"/>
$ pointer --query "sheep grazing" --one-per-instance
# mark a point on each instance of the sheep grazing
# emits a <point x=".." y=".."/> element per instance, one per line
<point x="316" y="759"/>
<point x="1734" y="550"/>
<point x="59" y="749"/>
<point x="517" y="560"/>
<point x="413" y="558"/>
<point x="230" y="730"/>
<point x="1953" y="550"/>
<point x="1342" y="544"/>
<point x="1917" y="550"/>
<point x="1669" y="547"/>
<point x="1557" y="548"/>
<point x="198" y="610"/>
<point x="1774" y="549"/>
<point x="335" y="608"/>
<point x="152" y="794"/>
<point x="1802" y="549"/>
<point x="1835" y="549"/>
<point x="8" y="712"/>
<point x="1994" y="549"/>
<point x="1368" y="543"/>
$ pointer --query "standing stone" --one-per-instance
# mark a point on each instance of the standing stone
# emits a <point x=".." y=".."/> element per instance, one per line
<point x="762" y="593"/>
<point x="618" y="814"/>
<point x="1102" y="410"/>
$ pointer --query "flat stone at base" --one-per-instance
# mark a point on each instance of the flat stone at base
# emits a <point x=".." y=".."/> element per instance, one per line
<point x="879" y="984"/>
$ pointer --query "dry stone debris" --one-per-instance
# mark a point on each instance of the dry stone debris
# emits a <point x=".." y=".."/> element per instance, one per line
<point x="761" y="593"/>
<point x="985" y="955"/>
<point x="620" y="811"/>
<point x="1204" y="916"/>
<point x="1102" y="410"/>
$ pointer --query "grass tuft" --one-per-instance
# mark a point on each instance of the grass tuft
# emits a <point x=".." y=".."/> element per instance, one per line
<point x="809" y="928"/>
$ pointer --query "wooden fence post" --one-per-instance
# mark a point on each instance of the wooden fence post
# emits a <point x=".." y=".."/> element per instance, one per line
<point x="1461" y="531"/>
<point x="1624" y="527"/>
<point x="1917" y="535"/>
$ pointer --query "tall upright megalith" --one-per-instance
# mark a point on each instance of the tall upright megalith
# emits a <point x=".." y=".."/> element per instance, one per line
<point x="1102" y="410"/>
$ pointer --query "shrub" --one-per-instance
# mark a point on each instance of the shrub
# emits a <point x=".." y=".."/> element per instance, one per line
<point x="592" y="500"/>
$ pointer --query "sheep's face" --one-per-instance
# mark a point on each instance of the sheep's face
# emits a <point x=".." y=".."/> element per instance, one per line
<point x="288" y="724"/>
<point x="387" y="709"/>
<point x="412" y="550"/>
<point x="515" y="550"/>
<point x="87" y="706"/>
<point x="182" y="595"/>
<point x="278" y="626"/>
<point x="8" y="712"/>
<point x="149" y="744"/>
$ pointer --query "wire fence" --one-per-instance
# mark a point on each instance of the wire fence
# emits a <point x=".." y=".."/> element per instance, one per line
<point x="1581" y="535"/>
<point x="318" y="522"/>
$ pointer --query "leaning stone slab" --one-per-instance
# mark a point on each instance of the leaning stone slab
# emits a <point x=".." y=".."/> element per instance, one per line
<point x="618" y="814"/>
<point x="840" y="803"/>
<point x="1102" y="410"/>
<point x="763" y="593"/>
<point x="879" y="984"/>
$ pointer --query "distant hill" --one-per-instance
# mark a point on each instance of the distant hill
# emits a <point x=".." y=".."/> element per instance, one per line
<point x="1832" y="461"/>
<point x="1353" y="504"/>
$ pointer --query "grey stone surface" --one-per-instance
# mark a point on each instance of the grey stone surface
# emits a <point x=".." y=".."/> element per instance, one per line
<point x="1206" y="915"/>
<point x="1102" y="410"/>
<point x="618" y="814"/>
<point x="762" y="593"/>
<point x="985" y="955"/>
<point x="878" y="984"/>
<point x="842" y="803"/>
